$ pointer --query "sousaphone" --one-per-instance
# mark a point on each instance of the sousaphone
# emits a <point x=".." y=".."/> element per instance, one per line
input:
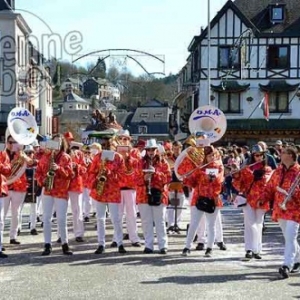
<point x="21" y="125"/>
<point x="207" y="125"/>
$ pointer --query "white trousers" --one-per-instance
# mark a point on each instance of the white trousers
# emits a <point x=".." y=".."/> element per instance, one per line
<point x="201" y="231"/>
<point x="128" y="204"/>
<point x="171" y="210"/>
<point x="116" y="218"/>
<point x="77" y="214"/>
<point x="253" y="224"/>
<point x="86" y="202"/>
<point x="291" y="247"/>
<point x="61" y="208"/>
<point x="39" y="205"/>
<point x="196" y="216"/>
<point x="32" y="215"/>
<point x="156" y="215"/>
<point x="15" y="201"/>
<point x="1" y="222"/>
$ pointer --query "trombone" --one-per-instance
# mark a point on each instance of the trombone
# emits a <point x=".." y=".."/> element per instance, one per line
<point x="289" y="194"/>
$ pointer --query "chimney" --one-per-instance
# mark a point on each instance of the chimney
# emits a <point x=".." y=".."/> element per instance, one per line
<point x="11" y="3"/>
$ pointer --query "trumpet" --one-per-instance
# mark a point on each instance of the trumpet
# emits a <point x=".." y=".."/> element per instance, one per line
<point x="289" y="194"/>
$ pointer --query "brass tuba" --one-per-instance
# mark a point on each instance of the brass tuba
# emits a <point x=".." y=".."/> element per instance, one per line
<point x="21" y="125"/>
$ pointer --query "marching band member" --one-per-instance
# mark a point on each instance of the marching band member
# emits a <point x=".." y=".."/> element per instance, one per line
<point x="17" y="190"/>
<point x="5" y="170"/>
<point x="76" y="188"/>
<point x="54" y="173"/>
<point x="249" y="182"/>
<point x="172" y="152"/>
<point x="128" y="187"/>
<point x="105" y="190"/>
<point x="86" y="199"/>
<point x="32" y="188"/>
<point x="152" y="199"/>
<point x="207" y="189"/>
<point x="285" y="179"/>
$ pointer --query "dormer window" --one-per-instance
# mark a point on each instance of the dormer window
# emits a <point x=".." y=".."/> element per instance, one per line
<point x="277" y="13"/>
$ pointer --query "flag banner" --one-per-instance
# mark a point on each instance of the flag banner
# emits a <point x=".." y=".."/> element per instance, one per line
<point x="264" y="105"/>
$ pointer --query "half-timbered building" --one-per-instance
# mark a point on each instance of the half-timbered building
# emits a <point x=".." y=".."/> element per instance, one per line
<point x="254" y="58"/>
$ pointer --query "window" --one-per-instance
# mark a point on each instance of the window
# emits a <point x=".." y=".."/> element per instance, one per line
<point x="278" y="57"/>
<point x="229" y="102"/>
<point x="277" y="14"/>
<point x="142" y="129"/>
<point x="158" y="115"/>
<point x="229" y="57"/>
<point x="144" y="115"/>
<point x="196" y="61"/>
<point x="279" y="102"/>
<point x="70" y="106"/>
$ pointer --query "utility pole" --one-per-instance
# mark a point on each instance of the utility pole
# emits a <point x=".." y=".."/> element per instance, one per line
<point x="208" y="50"/>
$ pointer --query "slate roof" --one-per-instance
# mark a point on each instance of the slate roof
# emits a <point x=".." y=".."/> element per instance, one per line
<point x="258" y="12"/>
<point x="80" y="116"/>
<point x="278" y="86"/>
<point x="72" y="97"/>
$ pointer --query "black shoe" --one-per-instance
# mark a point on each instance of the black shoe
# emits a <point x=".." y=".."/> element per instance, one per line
<point x="33" y="232"/>
<point x="126" y="236"/>
<point x="284" y="272"/>
<point x="3" y="255"/>
<point x="121" y="249"/>
<point x="100" y="250"/>
<point x="138" y="215"/>
<point x="19" y="232"/>
<point x="14" y="242"/>
<point x="66" y="250"/>
<point x="47" y="250"/>
<point x="42" y="224"/>
<point x="79" y="239"/>
<point x="113" y="245"/>
<point x="295" y="269"/>
<point x="54" y="214"/>
<point x="86" y="219"/>
<point x="58" y="241"/>
<point x="38" y="219"/>
<point x="200" y="247"/>
<point x="186" y="252"/>
<point x="148" y="251"/>
<point x="137" y="244"/>
<point x="94" y="215"/>
<point x="29" y="224"/>
<point x="257" y="256"/>
<point x="3" y="249"/>
<point x="222" y="246"/>
<point x="163" y="251"/>
<point x="249" y="255"/>
<point x="208" y="252"/>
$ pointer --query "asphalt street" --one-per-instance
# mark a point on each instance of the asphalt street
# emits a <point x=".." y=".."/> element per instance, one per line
<point x="25" y="274"/>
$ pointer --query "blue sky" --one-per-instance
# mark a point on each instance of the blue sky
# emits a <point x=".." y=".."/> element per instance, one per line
<point x="161" y="27"/>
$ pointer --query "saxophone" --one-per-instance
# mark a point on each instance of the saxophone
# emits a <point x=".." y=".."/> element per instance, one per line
<point x="101" y="178"/>
<point x="50" y="174"/>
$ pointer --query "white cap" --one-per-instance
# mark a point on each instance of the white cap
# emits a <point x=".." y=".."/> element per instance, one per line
<point x="28" y="148"/>
<point x="124" y="133"/>
<point x="76" y="144"/>
<point x="35" y="143"/>
<point x="151" y="144"/>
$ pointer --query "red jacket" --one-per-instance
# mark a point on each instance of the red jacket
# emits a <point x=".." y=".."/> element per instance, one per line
<point x="62" y="175"/>
<point x="5" y="169"/>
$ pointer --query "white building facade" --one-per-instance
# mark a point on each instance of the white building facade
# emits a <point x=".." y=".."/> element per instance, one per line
<point x="254" y="55"/>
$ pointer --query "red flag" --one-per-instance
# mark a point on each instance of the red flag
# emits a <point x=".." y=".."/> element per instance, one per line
<point x="266" y="107"/>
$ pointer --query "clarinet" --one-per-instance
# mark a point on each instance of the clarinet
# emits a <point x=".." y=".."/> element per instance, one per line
<point x="149" y="181"/>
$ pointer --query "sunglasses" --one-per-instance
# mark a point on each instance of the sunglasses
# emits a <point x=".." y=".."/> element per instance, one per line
<point x="11" y="143"/>
<point x="258" y="155"/>
<point x="151" y="149"/>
